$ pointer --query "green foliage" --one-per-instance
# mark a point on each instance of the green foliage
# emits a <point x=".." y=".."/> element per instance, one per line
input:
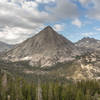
<point x="20" y="89"/>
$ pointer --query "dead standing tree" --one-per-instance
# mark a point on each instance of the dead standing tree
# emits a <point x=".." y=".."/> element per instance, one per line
<point x="39" y="90"/>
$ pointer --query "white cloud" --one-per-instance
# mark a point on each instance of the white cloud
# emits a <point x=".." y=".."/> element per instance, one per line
<point x="84" y="2"/>
<point x="77" y="22"/>
<point x="45" y="1"/>
<point x="93" y="8"/>
<point x="59" y="27"/>
<point x="18" y="18"/>
<point x="63" y="9"/>
<point x="16" y="34"/>
<point x="27" y="13"/>
<point x="88" y="34"/>
<point x="97" y="29"/>
<point x="94" y="11"/>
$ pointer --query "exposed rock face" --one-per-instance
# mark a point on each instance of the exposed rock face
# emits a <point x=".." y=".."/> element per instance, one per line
<point x="89" y="43"/>
<point x="89" y="67"/>
<point x="44" y="49"/>
<point x="5" y="47"/>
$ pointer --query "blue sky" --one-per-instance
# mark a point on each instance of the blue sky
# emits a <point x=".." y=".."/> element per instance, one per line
<point x="75" y="19"/>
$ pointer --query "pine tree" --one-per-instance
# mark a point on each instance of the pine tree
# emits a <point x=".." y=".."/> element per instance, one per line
<point x="80" y="95"/>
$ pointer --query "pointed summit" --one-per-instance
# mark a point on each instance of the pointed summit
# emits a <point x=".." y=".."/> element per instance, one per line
<point x="44" y="49"/>
<point x="48" y="27"/>
<point x="48" y="30"/>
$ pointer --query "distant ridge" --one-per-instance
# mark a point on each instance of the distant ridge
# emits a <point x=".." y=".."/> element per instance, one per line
<point x="5" y="47"/>
<point x="89" y="43"/>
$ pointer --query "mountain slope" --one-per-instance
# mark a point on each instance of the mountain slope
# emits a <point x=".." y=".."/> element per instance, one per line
<point x="44" y="49"/>
<point x="5" y="47"/>
<point x="84" y="67"/>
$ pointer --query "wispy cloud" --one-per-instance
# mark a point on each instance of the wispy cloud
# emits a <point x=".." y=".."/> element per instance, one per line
<point x="59" y="27"/>
<point x="97" y="29"/>
<point x="44" y="1"/>
<point x="88" y="34"/>
<point x="77" y="23"/>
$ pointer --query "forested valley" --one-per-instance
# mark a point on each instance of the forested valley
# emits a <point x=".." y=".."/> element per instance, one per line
<point x="18" y="88"/>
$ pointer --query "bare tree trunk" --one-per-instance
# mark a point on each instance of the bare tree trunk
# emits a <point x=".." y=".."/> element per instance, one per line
<point x="8" y="97"/>
<point x="39" y="90"/>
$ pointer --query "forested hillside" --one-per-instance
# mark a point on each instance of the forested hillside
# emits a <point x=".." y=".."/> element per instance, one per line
<point x="16" y="88"/>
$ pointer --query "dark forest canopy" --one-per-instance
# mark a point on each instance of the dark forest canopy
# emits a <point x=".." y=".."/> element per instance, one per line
<point x="12" y="88"/>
